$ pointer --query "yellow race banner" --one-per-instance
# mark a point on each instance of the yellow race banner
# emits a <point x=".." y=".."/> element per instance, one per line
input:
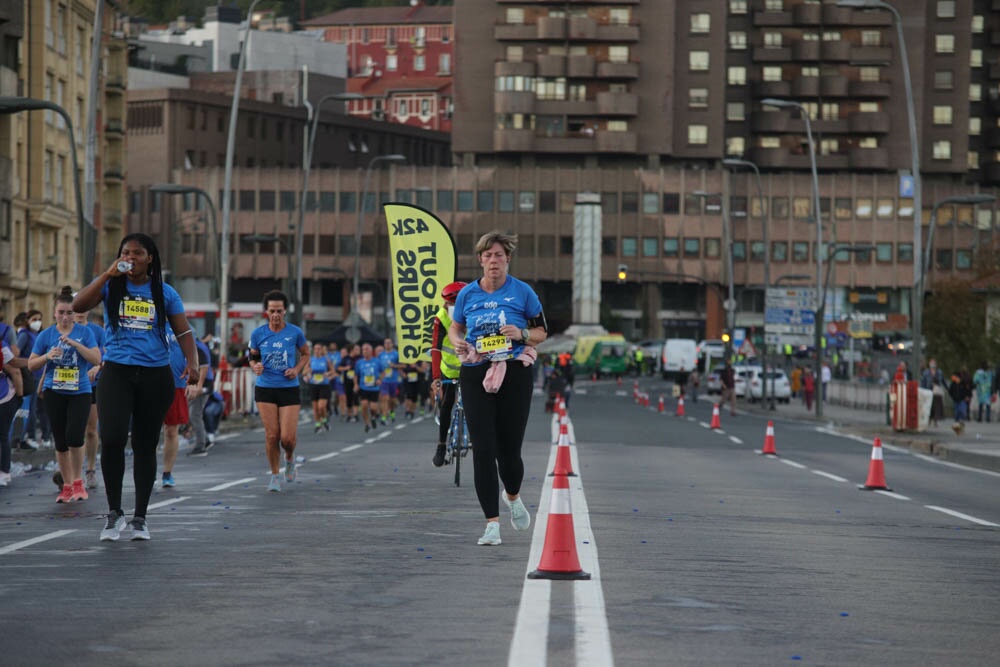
<point x="422" y="255"/>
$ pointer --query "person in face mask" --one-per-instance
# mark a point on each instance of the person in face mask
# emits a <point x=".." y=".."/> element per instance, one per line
<point x="445" y="365"/>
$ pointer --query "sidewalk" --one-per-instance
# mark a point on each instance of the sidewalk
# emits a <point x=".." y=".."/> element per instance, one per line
<point x="978" y="446"/>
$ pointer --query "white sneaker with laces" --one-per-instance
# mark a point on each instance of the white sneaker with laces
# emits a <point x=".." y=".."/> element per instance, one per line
<point x="520" y="518"/>
<point x="491" y="537"/>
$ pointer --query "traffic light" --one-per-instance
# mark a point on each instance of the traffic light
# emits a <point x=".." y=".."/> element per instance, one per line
<point x="622" y="273"/>
<point x="725" y="337"/>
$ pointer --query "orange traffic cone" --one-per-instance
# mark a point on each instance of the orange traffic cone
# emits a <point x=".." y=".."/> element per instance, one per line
<point x="659" y="405"/>
<point x="680" y="406"/>
<point x="619" y="380"/>
<point x="716" y="421"/>
<point x="559" y="559"/>
<point x="769" y="441"/>
<point x="564" y="465"/>
<point x="876" y="470"/>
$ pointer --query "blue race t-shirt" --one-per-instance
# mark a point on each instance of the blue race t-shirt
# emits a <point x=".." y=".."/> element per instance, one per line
<point x="137" y="341"/>
<point x="68" y="375"/>
<point x="369" y="371"/>
<point x="278" y="353"/>
<point x="483" y="314"/>
<point x="318" y="369"/>
<point x="203" y="350"/>
<point x="334" y="358"/>
<point x="178" y="362"/>
<point x="388" y="359"/>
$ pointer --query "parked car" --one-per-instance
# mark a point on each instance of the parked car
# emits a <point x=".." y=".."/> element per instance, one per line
<point x="713" y="380"/>
<point x="742" y="375"/>
<point x="778" y="386"/>
<point x="679" y="356"/>
<point x="709" y="349"/>
<point x="901" y="347"/>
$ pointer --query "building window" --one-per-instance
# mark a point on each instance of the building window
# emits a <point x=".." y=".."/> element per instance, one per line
<point x="871" y="38"/>
<point x="800" y="251"/>
<point x="444" y="200"/>
<point x="650" y="203"/>
<point x="671" y="203"/>
<point x="975" y="92"/>
<point x="526" y="201"/>
<point x="802" y="208"/>
<point x="619" y="15"/>
<point x="692" y="248"/>
<point x="757" y="251"/>
<point x="248" y="200"/>
<point x="944" y="43"/>
<point x="736" y="76"/>
<point x="942" y="149"/>
<point x="650" y="246"/>
<point x="942" y="114"/>
<point x="565" y="245"/>
<point x="886" y="208"/>
<point x="515" y="54"/>
<point x="618" y="54"/>
<point x="771" y="73"/>
<point x="698" y="61"/>
<point x="779" y="251"/>
<point x="418" y="62"/>
<point x="772" y="40"/>
<point x="484" y="201"/>
<point x="976" y="58"/>
<point x="444" y="63"/>
<point x="942" y="259"/>
<point x="779" y="208"/>
<point x="701" y="23"/>
<point x="697" y="135"/>
<point x="943" y="79"/>
<point x="904" y="252"/>
<point x="737" y="6"/>
<point x="609" y="246"/>
<point x="712" y="248"/>
<point x="505" y="201"/>
<point x="883" y="252"/>
<point x="629" y="246"/>
<point x="671" y="247"/>
<point x="737" y="40"/>
<point x="391" y="61"/>
<point x="739" y="251"/>
<point x="977" y="24"/>
<point x="698" y="98"/>
<point x="774" y="5"/>
<point x="327" y="201"/>
<point x="946" y="9"/>
<point x="515" y="15"/>
<point x="630" y="202"/>
<point x="973" y="160"/>
<point x="465" y="200"/>
<point x="736" y="111"/>
<point x="963" y="259"/>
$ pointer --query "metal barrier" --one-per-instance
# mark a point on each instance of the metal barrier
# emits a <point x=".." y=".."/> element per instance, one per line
<point x="857" y="395"/>
<point x="236" y="386"/>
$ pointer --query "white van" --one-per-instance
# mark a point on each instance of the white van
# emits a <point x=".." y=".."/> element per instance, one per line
<point x="680" y="355"/>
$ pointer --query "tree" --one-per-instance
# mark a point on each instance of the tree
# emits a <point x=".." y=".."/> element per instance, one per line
<point x="956" y="328"/>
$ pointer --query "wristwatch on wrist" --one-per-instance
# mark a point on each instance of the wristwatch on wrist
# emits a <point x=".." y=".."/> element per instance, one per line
<point x="525" y="335"/>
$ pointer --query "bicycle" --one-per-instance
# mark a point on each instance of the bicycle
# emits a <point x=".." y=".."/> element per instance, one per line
<point x="458" y="443"/>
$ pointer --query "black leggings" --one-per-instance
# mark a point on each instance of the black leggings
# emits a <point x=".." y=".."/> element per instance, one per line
<point x="135" y="397"/>
<point x="447" y="403"/>
<point x="496" y="427"/>
<point x="68" y="414"/>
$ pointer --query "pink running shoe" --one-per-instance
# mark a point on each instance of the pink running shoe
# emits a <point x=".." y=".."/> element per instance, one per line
<point x="66" y="495"/>
<point x="79" y="491"/>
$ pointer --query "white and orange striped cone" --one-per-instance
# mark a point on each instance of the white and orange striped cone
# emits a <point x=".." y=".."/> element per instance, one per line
<point x="876" y="470"/>
<point x="659" y="404"/>
<point x="619" y="380"/>
<point x="716" y="420"/>
<point x="635" y="391"/>
<point x="645" y="399"/>
<point x="680" y="407"/>
<point x="559" y="558"/>
<point x="769" y="441"/>
<point x="564" y="464"/>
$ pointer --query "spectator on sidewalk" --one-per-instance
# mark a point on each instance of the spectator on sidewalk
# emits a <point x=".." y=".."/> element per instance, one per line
<point x="825" y="376"/>
<point x="960" y="392"/>
<point x="808" y="388"/>
<point x="728" y="378"/>
<point x="796" y="381"/>
<point x="932" y="378"/>
<point x="983" y="382"/>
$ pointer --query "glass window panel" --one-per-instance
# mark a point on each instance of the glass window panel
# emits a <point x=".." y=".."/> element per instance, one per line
<point x="650" y="203"/>
<point x="779" y="251"/>
<point x="800" y="251"/>
<point x="465" y="200"/>
<point x="671" y="202"/>
<point x="712" y="247"/>
<point x="670" y="247"/>
<point x="609" y="203"/>
<point x="779" y="208"/>
<point x="757" y="251"/>
<point x="650" y="246"/>
<point x="267" y="200"/>
<point x="963" y="259"/>
<point x="505" y="202"/>
<point x="883" y="252"/>
<point x="629" y="246"/>
<point x="547" y="201"/>
<point x="904" y="252"/>
<point x="692" y="247"/>
<point x="484" y="203"/>
<point x="630" y="202"/>
<point x="444" y="200"/>
<point x="327" y="201"/>
<point x="526" y="201"/>
<point x="739" y="251"/>
<point x="609" y="246"/>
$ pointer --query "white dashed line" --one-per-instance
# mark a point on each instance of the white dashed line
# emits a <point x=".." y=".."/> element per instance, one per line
<point x="10" y="548"/>
<point x="829" y="476"/>
<point x="165" y="503"/>
<point x="793" y="464"/>
<point x="892" y="494"/>
<point x="704" y="424"/>
<point x="351" y="448"/>
<point x="383" y="434"/>
<point x="736" y="440"/>
<point x="323" y="457"/>
<point x="227" y="485"/>
<point x="981" y="522"/>
<point x="400" y="426"/>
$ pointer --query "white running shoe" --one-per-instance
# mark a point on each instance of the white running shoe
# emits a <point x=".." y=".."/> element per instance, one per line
<point x="491" y="537"/>
<point x="113" y="528"/>
<point x="520" y="518"/>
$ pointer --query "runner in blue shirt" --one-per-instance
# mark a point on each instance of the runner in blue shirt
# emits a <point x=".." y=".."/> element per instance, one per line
<point x="136" y="386"/>
<point x="389" y="389"/>
<point x="66" y="351"/>
<point x="350" y="355"/>
<point x="91" y="441"/>
<point x="319" y="374"/>
<point x="496" y="319"/>
<point x="369" y="375"/>
<point x="278" y="353"/>
<point x="337" y="398"/>
<point x="178" y="414"/>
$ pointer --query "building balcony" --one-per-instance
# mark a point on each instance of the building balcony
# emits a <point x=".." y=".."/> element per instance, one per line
<point x="580" y="67"/>
<point x="616" y="32"/>
<point x="770" y="122"/>
<point x="565" y="144"/>
<point x="114" y="128"/>
<point x="866" y="55"/>
<point x="807" y="14"/>
<point x="805" y="49"/>
<point x="868" y="158"/>
<point x="993" y="71"/>
<point x="508" y="68"/>
<point x="617" y="104"/>
<point x="839" y="51"/>
<point x="834" y="15"/>
<point x="869" y="88"/>
<point x="610" y="70"/>
<point x="870" y="122"/>
<point x="772" y="88"/>
<point x="830" y="126"/>
<point x="550" y="66"/>
<point x="516" y="32"/>
<point x="995" y="38"/>
<point x="582" y="27"/>
<point x="565" y="108"/>
<point x="510" y="140"/>
<point x="993" y="103"/>
<point x="768" y="18"/>
<point x="114" y="172"/>
<point x="991" y="138"/>
<point x="551" y="27"/>
<point x="805" y="86"/>
<point x="834" y="85"/>
<point x="616" y="142"/>
<point x="514" y="101"/>
<point x="770" y="54"/>
<point x="990" y="172"/>
<point x="832" y="161"/>
<point x="871" y="19"/>
<point x="778" y="158"/>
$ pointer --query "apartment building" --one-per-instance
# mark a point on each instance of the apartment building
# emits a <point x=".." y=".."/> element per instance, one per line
<point x="400" y="61"/>
<point x="652" y="96"/>
<point x="46" y="55"/>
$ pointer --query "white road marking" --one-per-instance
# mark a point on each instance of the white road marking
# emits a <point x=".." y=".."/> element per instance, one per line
<point x="165" y="503"/>
<point x="736" y="440"/>
<point x="383" y="434"/>
<point x="227" y="436"/>
<point x="829" y="476"/>
<point x="227" y="485"/>
<point x="323" y="457"/>
<point x="691" y="419"/>
<point x="719" y="431"/>
<point x="981" y="522"/>
<point x="417" y="420"/>
<point x="793" y="464"/>
<point x="400" y="426"/>
<point x="704" y="424"/>
<point x="351" y="448"/>
<point x="959" y="466"/>
<point x="11" y="548"/>
<point x="370" y="440"/>
<point x="892" y="494"/>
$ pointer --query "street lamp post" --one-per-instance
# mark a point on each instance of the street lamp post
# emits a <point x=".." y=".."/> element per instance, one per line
<point x="734" y="162"/>
<point x="177" y="189"/>
<point x="818" y="219"/>
<point x="85" y="227"/>
<point x="313" y="119"/>
<point x="355" y="317"/>
<point x="227" y="197"/>
<point x="730" y="303"/>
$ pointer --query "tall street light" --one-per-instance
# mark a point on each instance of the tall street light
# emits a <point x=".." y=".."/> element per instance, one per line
<point x="298" y="317"/>
<point x="85" y="227"/>
<point x="227" y="195"/>
<point x="178" y="189"/>
<point x="271" y="238"/>
<point x="818" y="219"/>
<point x="727" y="242"/>
<point x="355" y="317"/>
<point x="734" y="163"/>
<point x="917" y="298"/>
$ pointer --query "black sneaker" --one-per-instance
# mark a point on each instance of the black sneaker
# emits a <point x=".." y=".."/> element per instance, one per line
<point x="57" y="479"/>
<point x="200" y="450"/>
<point x="438" y="460"/>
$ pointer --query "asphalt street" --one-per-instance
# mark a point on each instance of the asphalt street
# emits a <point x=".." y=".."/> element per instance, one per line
<point x="701" y="552"/>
